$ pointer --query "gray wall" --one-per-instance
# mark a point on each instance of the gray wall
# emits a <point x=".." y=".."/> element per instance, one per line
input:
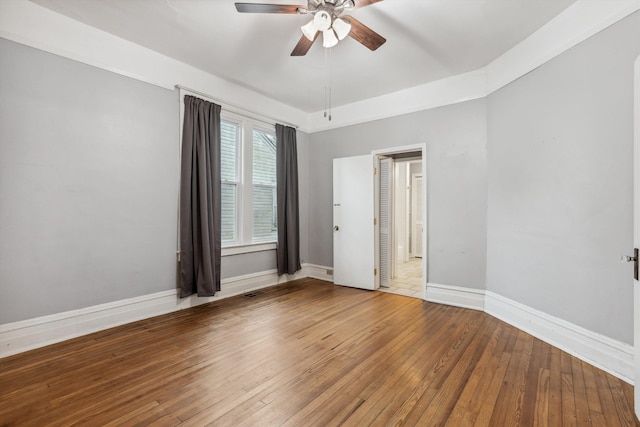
<point x="88" y="187"/>
<point x="560" y="181"/>
<point x="456" y="179"/>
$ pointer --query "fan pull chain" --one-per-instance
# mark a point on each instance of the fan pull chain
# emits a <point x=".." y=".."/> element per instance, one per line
<point x="330" y="83"/>
<point x="325" y="84"/>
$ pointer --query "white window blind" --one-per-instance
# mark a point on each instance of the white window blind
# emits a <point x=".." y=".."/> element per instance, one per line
<point x="248" y="157"/>
<point x="264" y="185"/>
<point x="230" y="180"/>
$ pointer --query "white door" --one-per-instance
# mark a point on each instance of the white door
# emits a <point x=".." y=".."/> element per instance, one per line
<point x="353" y="227"/>
<point x="636" y="233"/>
<point x="416" y="215"/>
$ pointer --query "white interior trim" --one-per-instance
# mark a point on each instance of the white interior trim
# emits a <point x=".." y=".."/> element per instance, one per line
<point x="456" y="296"/>
<point x="25" y="335"/>
<point x="38" y="27"/>
<point x="577" y="23"/>
<point x="610" y="355"/>
<point x="33" y="25"/>
<point x="636" y="229"/>
<point x="603" y="352"/>
<point x="425" y="200"/>
<point x="247" y="248"/>
<point x="452" y="90"/>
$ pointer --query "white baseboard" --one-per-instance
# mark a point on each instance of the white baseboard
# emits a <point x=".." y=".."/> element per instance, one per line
<point x="608" y="354"/>
<point x="25" y="335"/>
<point x="456" y="296"/>
<point x="319" y="272"/>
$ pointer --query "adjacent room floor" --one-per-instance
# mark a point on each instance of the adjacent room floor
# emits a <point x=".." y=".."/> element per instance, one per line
<point x="408" y="279"/>
<point x="308" y="353"/>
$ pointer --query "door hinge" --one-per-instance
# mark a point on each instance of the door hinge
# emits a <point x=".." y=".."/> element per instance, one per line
<point x="375" y="171"/>
<point x="375" y="221"/>
<point x="375" y="271"/>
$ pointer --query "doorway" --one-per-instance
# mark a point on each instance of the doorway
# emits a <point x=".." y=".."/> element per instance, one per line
<point x="401" y="207"/>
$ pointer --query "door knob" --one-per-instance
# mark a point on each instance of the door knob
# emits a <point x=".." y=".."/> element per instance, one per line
<point x="634" y="260"/>
<point x="336" y="228"/>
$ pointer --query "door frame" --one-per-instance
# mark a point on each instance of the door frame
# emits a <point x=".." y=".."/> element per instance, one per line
<point x="422" y="148"/>
<point x="414" y="225"/>
<point x="636" y="232"/>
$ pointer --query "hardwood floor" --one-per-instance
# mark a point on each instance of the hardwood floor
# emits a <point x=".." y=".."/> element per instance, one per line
<point x="308" y="353"/>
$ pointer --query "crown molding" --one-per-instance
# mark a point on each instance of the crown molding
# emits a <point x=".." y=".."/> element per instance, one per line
<point x="574" y="25"/>
<point x="32" y="25"/>
<point x="451" y="90"/>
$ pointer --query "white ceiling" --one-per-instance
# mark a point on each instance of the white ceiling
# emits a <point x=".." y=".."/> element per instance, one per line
<point x="427" y="40"/>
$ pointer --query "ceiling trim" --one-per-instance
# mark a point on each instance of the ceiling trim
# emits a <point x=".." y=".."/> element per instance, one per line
<point x="574" y="25"/>
<point x="36" y="26"/>
<point x="33" y="25"/>
<point x="454" y="89"/>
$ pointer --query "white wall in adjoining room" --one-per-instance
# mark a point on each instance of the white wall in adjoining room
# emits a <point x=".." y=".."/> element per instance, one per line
<point x="400" y="234"/>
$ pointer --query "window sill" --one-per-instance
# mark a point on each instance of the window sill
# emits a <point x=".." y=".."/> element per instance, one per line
<point x="248" y="248"/>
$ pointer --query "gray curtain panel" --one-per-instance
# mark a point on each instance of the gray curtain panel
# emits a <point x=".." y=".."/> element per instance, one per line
<point x="288" y="247"/>
<point x="200" y="199"/>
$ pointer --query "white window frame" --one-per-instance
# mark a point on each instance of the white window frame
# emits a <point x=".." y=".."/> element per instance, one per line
<point x="244" y="234"/>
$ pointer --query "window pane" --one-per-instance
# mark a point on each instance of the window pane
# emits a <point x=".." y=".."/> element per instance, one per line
<point x="229" y="198"/>
<point x="228" y="150"/>
<point x="264" y="212"/>
<point x="229" y="145"/>
<point x="264" y="158"/>
<point x="264" y="185"/>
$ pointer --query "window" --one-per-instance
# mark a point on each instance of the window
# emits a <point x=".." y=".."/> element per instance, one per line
<point x="264" y="185"/>
<point x="248" y="156"/>
<point x="229" y="171"/>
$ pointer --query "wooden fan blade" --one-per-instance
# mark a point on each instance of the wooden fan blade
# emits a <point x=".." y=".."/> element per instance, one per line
<point x="266" y="8"/>
<point x="363" y="34"/>
<point x="363" y="3"/>
<point x="303" y="46"/>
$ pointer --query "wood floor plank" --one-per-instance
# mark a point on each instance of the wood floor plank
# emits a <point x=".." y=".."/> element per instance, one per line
<point x="401" y="358"/>
<point x="593" y="397"/>
<point x="508" y="406"/>
<point x="423" y="392"/>
<point x="568" y="394"/>
<point x="625" y="411"/>
<point x="378" y="406"/>
<point x="555" y="387"/>
<point x="580" y="393"/>
<point x="308" y="353"/>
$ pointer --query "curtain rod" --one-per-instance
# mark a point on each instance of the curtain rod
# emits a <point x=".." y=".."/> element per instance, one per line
<point x="243" y="111"/>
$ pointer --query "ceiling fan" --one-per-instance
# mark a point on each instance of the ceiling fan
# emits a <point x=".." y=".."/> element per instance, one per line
<point x="327" y="19"/>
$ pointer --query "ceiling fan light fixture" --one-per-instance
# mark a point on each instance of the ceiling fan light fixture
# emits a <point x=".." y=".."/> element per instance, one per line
<point x="329" y="38"/>
<point x="342" y="28"/>
<point x="309" y="30"/>
<point x="322" y="20"/>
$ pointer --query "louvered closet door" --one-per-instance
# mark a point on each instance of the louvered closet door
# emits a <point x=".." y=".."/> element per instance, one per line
<point x="385" y="220"/>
